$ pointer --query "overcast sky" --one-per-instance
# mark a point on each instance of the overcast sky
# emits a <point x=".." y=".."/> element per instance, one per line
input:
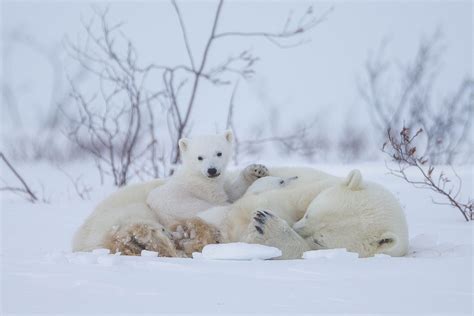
<point x="320" y="75"/>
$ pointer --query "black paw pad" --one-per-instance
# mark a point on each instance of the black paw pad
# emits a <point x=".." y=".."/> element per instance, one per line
<point x="268" y="213"/>
<point x="261" y="220"/>
<point x="259" y="229"/>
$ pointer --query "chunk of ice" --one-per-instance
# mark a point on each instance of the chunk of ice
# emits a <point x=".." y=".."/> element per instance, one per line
<point x="239" y="251"/>
<point x="147" y="253"/>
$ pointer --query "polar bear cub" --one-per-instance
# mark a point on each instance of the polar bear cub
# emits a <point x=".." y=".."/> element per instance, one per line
<point x="198" y="184"/>
<point x="201" y="183"/>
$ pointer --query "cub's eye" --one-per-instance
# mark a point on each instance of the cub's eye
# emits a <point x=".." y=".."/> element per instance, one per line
<point x="219" y="154"/>
<point x="200" y="158"/>
<point x="282" y="181"/>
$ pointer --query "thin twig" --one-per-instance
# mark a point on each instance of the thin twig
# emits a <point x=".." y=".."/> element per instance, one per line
<point x="25" y="189"/>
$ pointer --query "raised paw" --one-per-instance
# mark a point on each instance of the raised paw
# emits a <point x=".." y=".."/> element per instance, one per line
<point x="255" y="171"/>
<point x="132" y="239"/>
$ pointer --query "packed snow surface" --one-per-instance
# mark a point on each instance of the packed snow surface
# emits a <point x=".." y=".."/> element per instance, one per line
<point x="239" y="251"/>
<point x="39" y="274"/>
<point x="330" y="254"/>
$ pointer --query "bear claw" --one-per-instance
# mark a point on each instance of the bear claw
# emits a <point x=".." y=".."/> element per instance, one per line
<point x="259" y="219"/>
<point x="259" y="229"/>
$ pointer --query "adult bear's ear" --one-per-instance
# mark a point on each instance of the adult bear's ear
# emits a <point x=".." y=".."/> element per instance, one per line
<point x="229" y="135"/>
<point x="354" y="180"/>
<point x="183" y="144"/>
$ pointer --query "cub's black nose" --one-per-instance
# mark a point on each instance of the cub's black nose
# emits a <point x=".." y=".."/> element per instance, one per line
<point x="212" y="171"/>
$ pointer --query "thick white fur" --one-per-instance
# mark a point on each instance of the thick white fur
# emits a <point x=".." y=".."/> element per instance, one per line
<point x="193" y="189"/>
<point x="164" y="203"/>
<point x="127" y="205"/>
<point x="325" y="211"/>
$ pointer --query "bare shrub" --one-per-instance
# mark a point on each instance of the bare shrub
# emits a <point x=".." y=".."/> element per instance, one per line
<point x="128" y="124"/>
<point x="403" y="151"/>
<point x="409" y="98"/>
<point x="111" y="124"/>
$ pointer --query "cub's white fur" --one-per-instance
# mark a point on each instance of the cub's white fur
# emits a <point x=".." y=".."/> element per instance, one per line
<point x="193" y="188"/>
<point x="200" y="183"/>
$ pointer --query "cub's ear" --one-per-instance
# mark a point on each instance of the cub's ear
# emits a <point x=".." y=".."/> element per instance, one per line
<point x="354" y="180"/>
<point x="183" y="144"/>
<point x="229" y="136"/>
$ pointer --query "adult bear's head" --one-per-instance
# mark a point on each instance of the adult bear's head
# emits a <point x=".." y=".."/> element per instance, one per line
<point x="360" y="216"/>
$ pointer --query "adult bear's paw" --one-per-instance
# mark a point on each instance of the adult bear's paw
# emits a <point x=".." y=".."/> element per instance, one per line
<point x="266" y="226"/>
<point x="131" y="239"/>
<point x="193" y="234"/>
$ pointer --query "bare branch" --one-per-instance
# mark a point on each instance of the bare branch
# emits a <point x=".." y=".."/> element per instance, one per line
<point x="25" y="188"/>
<point x="404" y="153"/>
<point x="307" y="22"/>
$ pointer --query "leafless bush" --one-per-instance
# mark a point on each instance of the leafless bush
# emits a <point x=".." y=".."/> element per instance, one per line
<point x="409" y="98"/>
<point x="240" y="65"/>
<point x="24" y="190"/>
<point x="403" y="151"/>
<point x="113" y="123"/>
<point x="118" y="124"/>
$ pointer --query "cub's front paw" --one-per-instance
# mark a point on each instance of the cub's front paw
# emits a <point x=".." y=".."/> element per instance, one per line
<point x="255" y="171"/>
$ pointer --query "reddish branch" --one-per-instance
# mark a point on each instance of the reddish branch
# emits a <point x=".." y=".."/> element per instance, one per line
<point x="401" y="148"/>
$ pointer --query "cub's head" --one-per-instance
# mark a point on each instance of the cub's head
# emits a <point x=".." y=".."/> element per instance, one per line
<point x="207" y="155"/>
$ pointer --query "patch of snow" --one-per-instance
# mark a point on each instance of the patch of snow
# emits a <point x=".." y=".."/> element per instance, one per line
<point x="101" y="251"/>
<point x="340" y="253"/>
<point x="239" y="251"/>
<point x="197" y="255"/>
<point x="37" y="265"/>
<point x="108" y="260"/>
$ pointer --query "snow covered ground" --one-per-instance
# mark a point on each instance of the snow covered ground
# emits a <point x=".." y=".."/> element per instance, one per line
<point x="39" y="274"/>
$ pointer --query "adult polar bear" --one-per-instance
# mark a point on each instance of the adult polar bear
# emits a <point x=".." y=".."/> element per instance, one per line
<point x="326" y="212"/>
<point x="317" y="211"/>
